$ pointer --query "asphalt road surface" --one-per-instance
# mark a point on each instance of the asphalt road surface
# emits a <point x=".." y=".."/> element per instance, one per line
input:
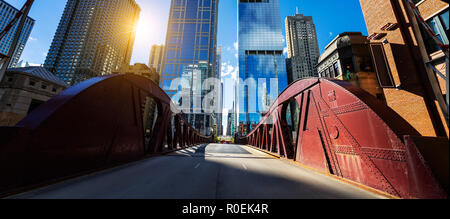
<point x="205" y="172"/>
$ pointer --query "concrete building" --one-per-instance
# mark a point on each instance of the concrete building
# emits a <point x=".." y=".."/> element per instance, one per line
<point x="93" y="38"/>
<point x="24" y="89"/>
<point x="400" y="54"/>
<point x="7" y="13"/>
<point x="302" y="46"/>
<point x="156" y="58"/>
<point x="348" y="58"/>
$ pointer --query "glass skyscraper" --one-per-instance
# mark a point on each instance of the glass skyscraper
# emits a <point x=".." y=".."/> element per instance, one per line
<point x="262" y="66"/>
<point x="93" y="38"/>
<point x="191" y="43"/>
<point x="7" y="13"/>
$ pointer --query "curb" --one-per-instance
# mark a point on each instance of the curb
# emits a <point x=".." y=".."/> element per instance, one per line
<point x="81" y="175"/>
<point x="340" y="179"/>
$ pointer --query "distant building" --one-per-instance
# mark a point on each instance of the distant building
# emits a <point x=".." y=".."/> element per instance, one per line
<point x="23" y="64"/>
<point x="24" y="89"/>
<point x="302" y="47"/>
<point x="7" y="13"/>
<point x="93" y="38"/>
<point x="142" y="70"/>
<point x="193" y="109"/>
<point x="220" y="114"/>
<point x="156" y="58"/>
<point x="401" y="50"/>
<point x="348" y="58"/>
<point x="218" y="71"/>
<point x="231" y="127"/>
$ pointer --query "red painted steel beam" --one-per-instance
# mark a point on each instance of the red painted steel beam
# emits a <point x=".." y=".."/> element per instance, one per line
<point x="345" y="131"/>
<point x="94" y="124"/>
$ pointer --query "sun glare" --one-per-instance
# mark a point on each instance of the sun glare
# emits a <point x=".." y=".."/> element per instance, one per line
<point x="143" y="26"/>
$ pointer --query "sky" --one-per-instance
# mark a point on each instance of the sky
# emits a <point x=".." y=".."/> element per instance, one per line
<point x="331" y="18"/>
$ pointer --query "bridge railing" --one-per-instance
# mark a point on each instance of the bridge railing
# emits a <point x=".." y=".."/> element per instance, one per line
<point x="339" y="129"/>
<point x="98" y="123"/>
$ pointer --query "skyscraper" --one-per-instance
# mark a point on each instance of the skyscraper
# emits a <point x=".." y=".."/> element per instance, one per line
<point x="218" y="71"/>
<point x="191" y="52"/>
<point x="93" y="38"/>
<point x="7" y="13"/>
<point x="156" y="58"/>
<point x="303" y="47"/>
<point x="231" y="127"/>
<point x="262" y="65"/>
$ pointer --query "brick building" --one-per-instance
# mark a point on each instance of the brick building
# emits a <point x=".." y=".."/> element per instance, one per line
<point x="400" y="52"/>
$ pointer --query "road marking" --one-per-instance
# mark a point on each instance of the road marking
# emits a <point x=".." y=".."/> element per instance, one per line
<point x="245" y="167"/>
<point x="197" y="166"/>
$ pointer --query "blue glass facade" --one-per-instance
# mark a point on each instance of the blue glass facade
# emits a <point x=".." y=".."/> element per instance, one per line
<point x="262" y="66"/>
<point x="7" y="13"/>
<point x="190" y="57"/>
<point x="191" y="39"/>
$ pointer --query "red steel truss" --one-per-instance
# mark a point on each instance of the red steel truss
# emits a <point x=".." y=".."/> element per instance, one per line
<point x="344" y="131"/>
<point x="95" y="124"/>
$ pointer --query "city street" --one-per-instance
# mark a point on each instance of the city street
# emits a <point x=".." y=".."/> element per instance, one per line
<point x="204" y="172"/>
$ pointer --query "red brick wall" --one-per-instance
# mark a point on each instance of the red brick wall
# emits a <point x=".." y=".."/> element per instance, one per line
<point x="431" y="7"/>
<point x="402" y="53"/>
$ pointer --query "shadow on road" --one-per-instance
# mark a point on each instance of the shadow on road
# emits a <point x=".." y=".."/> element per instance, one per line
<point x="187" y="174"/>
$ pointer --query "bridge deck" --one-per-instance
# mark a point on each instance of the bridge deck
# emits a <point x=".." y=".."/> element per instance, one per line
<point x="204" y="172"/>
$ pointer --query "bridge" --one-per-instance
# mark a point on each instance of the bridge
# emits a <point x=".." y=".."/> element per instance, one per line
<point x="119" y="136"/>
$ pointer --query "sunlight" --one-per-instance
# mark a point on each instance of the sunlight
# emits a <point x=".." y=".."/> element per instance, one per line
<point x="144" y="27"/>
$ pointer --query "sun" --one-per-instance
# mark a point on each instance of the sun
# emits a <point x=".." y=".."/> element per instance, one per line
<point x="144" y="27"/>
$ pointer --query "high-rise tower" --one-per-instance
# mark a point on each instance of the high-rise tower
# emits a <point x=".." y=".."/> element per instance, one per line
<point x="156" y="58"/>
<point x="7" y="13"/>
<point x="93" y="38"/>
<point x="190" y="54"/>
<point x="262" y="66"/>
<point x="303" y="47"/>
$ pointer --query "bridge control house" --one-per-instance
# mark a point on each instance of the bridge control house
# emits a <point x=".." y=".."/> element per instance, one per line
<point x="24" y="89"/>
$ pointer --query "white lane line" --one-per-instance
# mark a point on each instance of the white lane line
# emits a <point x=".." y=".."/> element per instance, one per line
<point x="245" y="167"/>
<point x="197" y="166"/>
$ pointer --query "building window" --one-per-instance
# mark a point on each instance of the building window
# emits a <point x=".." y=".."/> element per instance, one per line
<point x="32" y="83"/>
<point x="44" y="87"/>
<point x="381" y="66"/>
<point x="440" y="25"/>
<point x="336" y="69"/>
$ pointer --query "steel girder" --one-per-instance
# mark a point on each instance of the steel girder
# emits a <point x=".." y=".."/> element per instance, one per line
<point x="346" y="132"/>
<point x="92" y="125"/>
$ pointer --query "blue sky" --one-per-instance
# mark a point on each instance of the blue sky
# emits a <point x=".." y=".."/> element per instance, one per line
<point x="331" y="17"/>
